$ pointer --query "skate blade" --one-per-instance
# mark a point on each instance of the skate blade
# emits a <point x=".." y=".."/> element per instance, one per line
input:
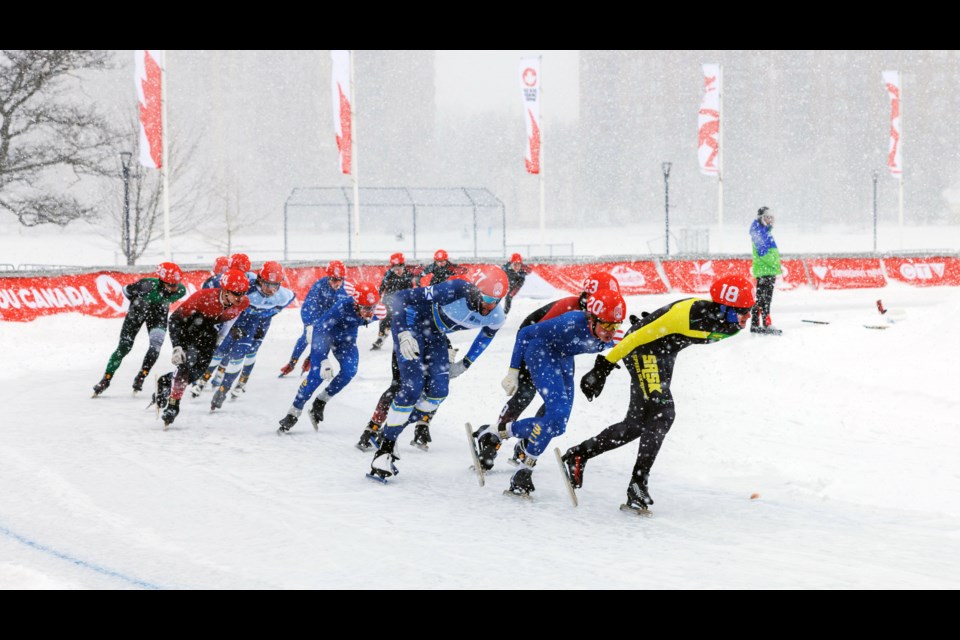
<point x="376" y="478"/>
<point x="518" y="496"/>
<point x="567" y="480"/>
<point x="476" y="466"/>
<point x="422" y="447"/>
<point x="638" y="512"/>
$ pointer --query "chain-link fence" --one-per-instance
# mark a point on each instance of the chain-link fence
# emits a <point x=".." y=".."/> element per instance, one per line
<point x="320" y="222"/>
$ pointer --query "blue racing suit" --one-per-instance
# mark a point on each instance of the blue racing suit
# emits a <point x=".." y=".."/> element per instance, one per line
<point x="319" y="299"/>
<point x="428" y="313"/>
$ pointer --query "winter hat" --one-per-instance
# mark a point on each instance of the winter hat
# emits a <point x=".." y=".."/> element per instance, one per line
<point x="762" y="210"/>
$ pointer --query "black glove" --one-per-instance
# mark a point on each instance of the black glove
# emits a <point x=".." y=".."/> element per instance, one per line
<point x="259" y="333"/>
<point x="634" y="319"/>
<point x="237" y="333"/>
<point x="592" y="382"/>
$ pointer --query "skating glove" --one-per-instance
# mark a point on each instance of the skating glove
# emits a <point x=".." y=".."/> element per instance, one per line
<point x="179" y="357"/>
<point x="237" y="333"/>
<point x="308" y="328"/>
<point x="457" y="368"/>
<point x="259" y="333"/>
<point x="409" y="348"/>
<point x="452" y="353"/>
<point x="326" y="370"/>
<point x="511" y="382"/>
<point x="592" y="382"/>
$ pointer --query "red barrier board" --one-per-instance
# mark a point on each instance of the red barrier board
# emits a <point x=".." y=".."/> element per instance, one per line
<point x="846" y="273"/>
<point x="635" y="278"/>
<point x="923" y="272"/>
<point x="696" y="276"/>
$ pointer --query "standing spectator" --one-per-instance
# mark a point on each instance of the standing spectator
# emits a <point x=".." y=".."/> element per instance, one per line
<point x="195" y="329"/>
<point x="150" y="300"/>
<point x="323" y="294"/>
<point x="517" y="275"/>
<point x="220" y="266"/>
<point x="649" y="352"/>
<point x="397" y="278"/>
<point x="442" y="269"/>
<point x="766" y="268"/>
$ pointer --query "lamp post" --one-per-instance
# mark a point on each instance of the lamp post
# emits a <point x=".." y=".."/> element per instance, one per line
<point x="125" y="158"/>
<point x="666" y="201"/>
<point x="876" y="175"/>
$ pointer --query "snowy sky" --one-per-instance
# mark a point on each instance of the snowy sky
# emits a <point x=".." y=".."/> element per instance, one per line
<point x="847" y="434"/>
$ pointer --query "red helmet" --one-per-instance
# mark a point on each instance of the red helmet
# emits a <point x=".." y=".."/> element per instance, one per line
<point x="169" y="272"/>
<point x="366" y="296"/>
<point x="271" y="273"/>
<point x="235" y="281"/>
<point x="491" y="280"/>
<point x="240" y="262"/>
<point x="440" y="255"/>
<point x="733" y="291"/>
<point x="599" y="281"/>
<point x="607" y="305"/>
<point x="396" y="259"/>
<point x="336" y="269"/>
<point x="220" y="265"/>
<point x="516" y="258"/>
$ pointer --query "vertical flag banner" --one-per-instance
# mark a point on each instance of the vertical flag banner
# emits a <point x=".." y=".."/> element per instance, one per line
<point x="530" y="85"/>
<point x="149" y="69"/>
<point x="891" y="80"/>
<point x="708" y="121"/>
<point x="342" y="109"/>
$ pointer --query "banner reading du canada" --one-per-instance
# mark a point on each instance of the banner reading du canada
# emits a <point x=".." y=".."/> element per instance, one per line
<point x="923" y="272"/>
<point x="94" y="294"/>
<point x="846" y="273"/>
<point x="635" y="278"/>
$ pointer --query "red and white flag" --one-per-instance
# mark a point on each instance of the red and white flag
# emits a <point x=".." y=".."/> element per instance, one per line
<point x="149" y="76"/>
<point x="708" y="122"/>
<point x="891" y="80"/>
<point x="342" y="109"/>
<point x="530" y="85"/>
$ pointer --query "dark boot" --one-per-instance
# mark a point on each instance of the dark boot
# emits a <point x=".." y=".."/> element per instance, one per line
<point x="521" y="484"/>
<point x="368" y="439"/>
<point x="382" y="465"/>
<point x="316" y="413"/>
<point x="421" y="434"/>
<point x="575" y="463"/>
<point x="101" y="386"/>
<point x="488" y="443"/>
<point x="138" y="380"/>
<point x="287" y="421"/>
<point x="162" y="394"/>
<point x="637" y="495"/>
<point x="171" y="412"/>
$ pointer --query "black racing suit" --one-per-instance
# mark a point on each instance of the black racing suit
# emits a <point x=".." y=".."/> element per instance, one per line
<point x="149" y="304"/>
<point x="516" y="280"/>
<point x="391" y="284"/>
<point x="649" y="351"/>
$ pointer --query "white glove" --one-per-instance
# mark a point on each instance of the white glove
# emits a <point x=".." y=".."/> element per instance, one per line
<point x="179" y="357"/>
<point x="409" y="348"/>
<point x="452" y="353"/>
<point x="511" y="382"/>
<point x="309" y="329"/>
<point x="456" y="368"/>
<point x="326" y="370"/>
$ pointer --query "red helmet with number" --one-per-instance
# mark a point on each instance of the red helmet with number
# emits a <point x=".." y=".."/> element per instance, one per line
<point x="240" y="262"/>
<point x="490" y="279"/>
<point x="367" y="297"/>
<point x="607" y="305"/>
<point x="599" y="281"/>
<point x="396" y="259"/>
<point x="516" y="258"/>
<point x="169" y="272"/>
<point x="271" y="272"/>
<point x="336" y="269"/>
<point x="220" y="265"/>
<point x="733" y="291"/>
<point x="235" y="281"/>
<point x="440" y="255"/>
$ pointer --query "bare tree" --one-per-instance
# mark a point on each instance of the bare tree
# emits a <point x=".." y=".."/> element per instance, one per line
<point x="227" y="216"/>
<point x="189" y="192"/>
<point x="46" y="135"/>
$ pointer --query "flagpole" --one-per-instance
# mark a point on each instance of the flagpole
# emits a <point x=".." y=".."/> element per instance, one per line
<point x="353" y="152"/>
<point x="164" y="134"/>
<point x="543" y="213"/>
<point x="900" y="148"/>
<point x="720" y="166"/>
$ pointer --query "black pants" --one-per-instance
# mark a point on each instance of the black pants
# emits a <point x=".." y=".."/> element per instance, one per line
<point x="386" y="399"/>
<point x="155" y="317"/>
<point x="647" y="420"/>
<point x="765" y="286"/>
<point x="198" y="346"/>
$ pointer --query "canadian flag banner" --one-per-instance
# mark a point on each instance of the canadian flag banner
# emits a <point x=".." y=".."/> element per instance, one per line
<point x="342" y="108"/>
<point x="530" y="85"/>
<point x="708" y="121"/>
<point x="149" y="65"/>
<point x="846" y="273"/>
<point x="891" y="80"/>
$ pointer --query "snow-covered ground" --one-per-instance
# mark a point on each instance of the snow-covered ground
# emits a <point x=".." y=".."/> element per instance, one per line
<point x="849" y="435"/>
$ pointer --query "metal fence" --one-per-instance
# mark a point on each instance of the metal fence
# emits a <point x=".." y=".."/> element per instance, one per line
<point x="465" y="221"/>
